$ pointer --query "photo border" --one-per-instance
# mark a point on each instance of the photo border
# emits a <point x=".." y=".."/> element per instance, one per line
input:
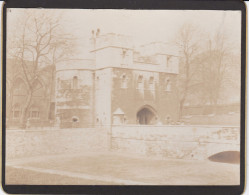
<point x="134" y="5"/>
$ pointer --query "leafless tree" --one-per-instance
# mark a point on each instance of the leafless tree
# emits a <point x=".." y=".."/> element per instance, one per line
<point x="215" y="65"/>
<point x="188" y="41"/>
<point x="39" y="43"/>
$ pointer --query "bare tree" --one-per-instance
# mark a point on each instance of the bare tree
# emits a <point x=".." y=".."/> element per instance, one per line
<point x="40" y="42"/>
<point x="215" y="64"/>
<point x="188" y="40"/>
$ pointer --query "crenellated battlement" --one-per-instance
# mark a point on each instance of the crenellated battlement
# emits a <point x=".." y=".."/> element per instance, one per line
<point x="116" y="50"/>
<point x="112" y="40"/>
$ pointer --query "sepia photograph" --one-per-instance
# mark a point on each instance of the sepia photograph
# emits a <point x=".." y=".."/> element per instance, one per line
<point x="123" y="97"/>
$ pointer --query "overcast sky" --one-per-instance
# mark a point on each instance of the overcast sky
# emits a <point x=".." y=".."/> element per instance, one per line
<point x="143" y="25"/>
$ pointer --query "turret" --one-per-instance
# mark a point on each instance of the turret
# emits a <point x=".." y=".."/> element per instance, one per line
<point x="166" y="54"/>
<point x="112" y="50"/>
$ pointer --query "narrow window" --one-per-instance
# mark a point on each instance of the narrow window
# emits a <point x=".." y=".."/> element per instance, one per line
<point x="97" y="82"/>
<point x="124" y="51"/>
<point x="125" y="58"/>
<point x="125" y="120"/>
<point x="140" y="82"/>
<point x="124" y="82"/>
<point x="168" y="61"/>
<point x="168" y="85"/>
<point x="75" y="82"/>
<point x="151" y="84"/>
<point x="168" y="120"/>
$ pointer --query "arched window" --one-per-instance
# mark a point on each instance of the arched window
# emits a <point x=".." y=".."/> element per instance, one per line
<point x="167" y="84"/>
<point x="140" y="82"/>
<point x="16" y="112"/>
<point x="151" y="84"/>
<point x="124" y="82"/>
<point x="75" y="82"/>
<point x="34" y="112"/>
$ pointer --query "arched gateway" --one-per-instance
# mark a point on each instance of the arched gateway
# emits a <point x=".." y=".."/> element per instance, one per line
<point x="146" y="116"/>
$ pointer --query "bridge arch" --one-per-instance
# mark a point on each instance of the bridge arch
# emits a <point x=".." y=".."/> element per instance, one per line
<point x="226" y="157"/>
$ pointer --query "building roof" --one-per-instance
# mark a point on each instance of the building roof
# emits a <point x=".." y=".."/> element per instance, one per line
<point x="118" y="112"/>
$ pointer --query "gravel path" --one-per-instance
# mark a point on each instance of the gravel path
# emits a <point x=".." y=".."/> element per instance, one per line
<point x="105" y="169"/>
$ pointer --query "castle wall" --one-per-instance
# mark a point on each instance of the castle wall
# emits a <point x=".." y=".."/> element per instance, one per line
<point x="103" y="86"/>
<point x="113" y="57"/>
<point x="118" y="80"/>
<point x="168" y="102"/>
<point x="133" y="96"/>
<point x="74" y="98"/>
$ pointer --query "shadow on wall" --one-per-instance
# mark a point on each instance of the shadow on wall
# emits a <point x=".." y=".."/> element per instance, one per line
<point x="232" y="157"/>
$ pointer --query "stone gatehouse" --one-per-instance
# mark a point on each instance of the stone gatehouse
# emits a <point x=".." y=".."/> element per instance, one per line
<point x="118" y="84"/>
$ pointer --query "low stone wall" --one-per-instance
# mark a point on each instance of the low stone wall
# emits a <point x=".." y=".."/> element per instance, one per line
<point x="188" y="142"/>
<point x="232" y="119"/>
<point x="27" y="143"/>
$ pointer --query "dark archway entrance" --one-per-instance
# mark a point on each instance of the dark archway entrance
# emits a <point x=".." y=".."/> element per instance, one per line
<point x="146" y="116"/>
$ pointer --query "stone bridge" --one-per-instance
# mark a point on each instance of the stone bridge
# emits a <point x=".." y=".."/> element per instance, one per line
<point x="184" y="142"/>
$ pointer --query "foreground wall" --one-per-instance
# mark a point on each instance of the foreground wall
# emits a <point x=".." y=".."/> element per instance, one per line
<point x="188" y="142"/>
<point x="27" y="143"/>
<point x="184" y="142"/>
<point x="232" y="119"/>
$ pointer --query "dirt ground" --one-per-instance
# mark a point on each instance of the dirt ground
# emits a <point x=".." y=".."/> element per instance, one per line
<point x="115" y="169"/>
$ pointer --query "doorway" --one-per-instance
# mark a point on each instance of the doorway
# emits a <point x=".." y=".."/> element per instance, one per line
<point x="146" y="116"/>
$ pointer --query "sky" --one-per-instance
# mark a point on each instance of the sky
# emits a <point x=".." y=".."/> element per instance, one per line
<point x="144" y="26"/>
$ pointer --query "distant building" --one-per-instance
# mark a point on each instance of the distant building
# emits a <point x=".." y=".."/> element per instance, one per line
<point x="41" y="108"/>
<point x="118" y="84"/>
